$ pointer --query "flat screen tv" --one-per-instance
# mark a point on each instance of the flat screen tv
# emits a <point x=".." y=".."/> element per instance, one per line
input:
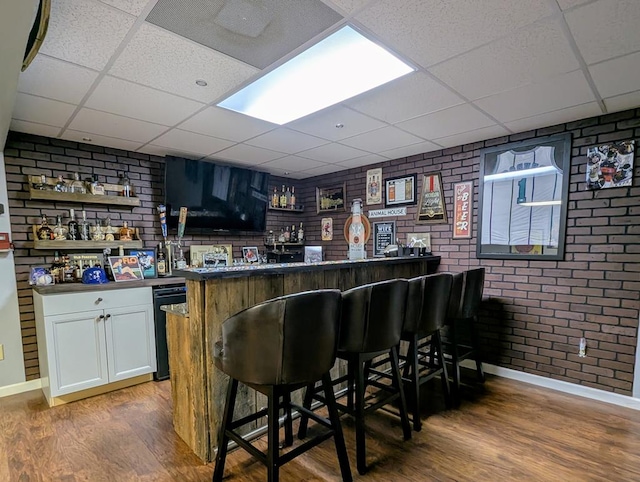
<point x="218" y="197"/>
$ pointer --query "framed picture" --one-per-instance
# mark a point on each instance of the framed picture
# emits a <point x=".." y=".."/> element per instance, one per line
<point x="610" y="165"/>
<point x="196" y="253"/>
<point x="327" y="229"/>
<point x="147" y="259"/>
<point x="125" y="268"/>
<point x="217" y="256"/>
<point x="250" y="254"/>
<point x="523" y="198"/>
<point x="400" y="191"/>
<point x="384" y="234"/>
<point x="331" y="198"/>
<point x="432" y="209"/>
<point x="462" y="209"/>
<point x="419" y="240"/>
<point x="374" y="186"/>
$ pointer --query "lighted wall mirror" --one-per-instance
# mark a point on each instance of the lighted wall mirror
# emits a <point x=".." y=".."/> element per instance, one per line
<point x="524" y="190"/>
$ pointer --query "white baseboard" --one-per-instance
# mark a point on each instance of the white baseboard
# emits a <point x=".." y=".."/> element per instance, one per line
<point x="561" y="386"/>
<point x="20" y="387"/>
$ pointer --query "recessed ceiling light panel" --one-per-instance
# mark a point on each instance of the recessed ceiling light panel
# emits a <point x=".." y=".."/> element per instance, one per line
<point x="339" y="67"/>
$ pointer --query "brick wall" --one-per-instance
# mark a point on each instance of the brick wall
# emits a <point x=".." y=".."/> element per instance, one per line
<point x="535" y="311"/>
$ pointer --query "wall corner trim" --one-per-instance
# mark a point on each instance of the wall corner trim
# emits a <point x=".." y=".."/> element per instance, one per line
<point x="21" y="387"/>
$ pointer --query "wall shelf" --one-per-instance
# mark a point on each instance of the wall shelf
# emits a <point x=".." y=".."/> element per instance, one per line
<point x="297" y="209"/>
<point x="40" y="195"/>
<point x="73" y="245"/>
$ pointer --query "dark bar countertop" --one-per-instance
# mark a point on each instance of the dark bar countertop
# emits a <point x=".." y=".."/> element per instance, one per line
<point x="112" y="285"/>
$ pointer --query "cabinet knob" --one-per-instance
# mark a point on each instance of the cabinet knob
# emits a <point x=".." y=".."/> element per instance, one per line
<point x="107" y="317"/>
<point x="100" y="318"/>
<point x="99" y="300"/>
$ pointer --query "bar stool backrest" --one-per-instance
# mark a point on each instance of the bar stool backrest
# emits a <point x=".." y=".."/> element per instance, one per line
<point x="466" y="294"/>
<point x="287" y="340"/>
<point x="427" y="303"/>
<point x="372" y="316"/>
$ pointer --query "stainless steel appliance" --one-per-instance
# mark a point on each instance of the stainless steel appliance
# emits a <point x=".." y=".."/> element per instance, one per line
<point x="164" y="295"/>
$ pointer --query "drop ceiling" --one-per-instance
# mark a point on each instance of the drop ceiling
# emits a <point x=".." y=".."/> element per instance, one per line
<point x="122" y="74"/>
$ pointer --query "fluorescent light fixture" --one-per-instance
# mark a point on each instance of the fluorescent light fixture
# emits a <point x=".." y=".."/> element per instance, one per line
<point x="542" y="203"/>
<point x="536" y="171"/>
<point x="341" y="66"/>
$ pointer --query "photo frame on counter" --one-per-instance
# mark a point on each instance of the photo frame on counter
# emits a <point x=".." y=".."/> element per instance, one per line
<point x="400" y="191"/>
<point x="431" y="209"/>
<point x="250" y="254"/>
<point x="214" y="256"/>
<point x="148" y="261"/>
<point x="332" y="198"/>
<point x="374" y="186"/>
<point x="125" y="268"/>
<point x="462" y="210"/>
<point x="196" y="253"/>
<point x="384" y="234"/>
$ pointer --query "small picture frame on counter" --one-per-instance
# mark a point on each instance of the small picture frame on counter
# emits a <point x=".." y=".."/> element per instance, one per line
<point x="250" y="254"/>
<point x="148" y="259"/>
<point x="125" y="268"/>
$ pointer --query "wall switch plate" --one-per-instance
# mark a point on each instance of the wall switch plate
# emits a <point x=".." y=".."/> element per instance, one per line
<point x="1" y="352"/>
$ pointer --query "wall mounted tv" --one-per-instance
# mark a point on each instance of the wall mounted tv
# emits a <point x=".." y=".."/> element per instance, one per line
<point x="218" y="197"/>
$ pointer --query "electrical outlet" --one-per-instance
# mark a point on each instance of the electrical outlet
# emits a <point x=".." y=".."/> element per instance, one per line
<point x="1" y="352"/>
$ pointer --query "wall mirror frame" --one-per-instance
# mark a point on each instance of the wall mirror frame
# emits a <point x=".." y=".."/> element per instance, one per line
<point x="524" y="193"/>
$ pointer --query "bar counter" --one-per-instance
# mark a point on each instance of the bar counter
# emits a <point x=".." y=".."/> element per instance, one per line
<point x="198" y="388"/>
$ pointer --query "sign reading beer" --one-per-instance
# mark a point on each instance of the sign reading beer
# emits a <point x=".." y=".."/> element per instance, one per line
<point x="462" y="209"/>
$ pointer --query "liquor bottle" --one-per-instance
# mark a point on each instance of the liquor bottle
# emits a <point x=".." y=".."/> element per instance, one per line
<point x="56" y="268"/>
<point x="126" y="233"/>
<point x="98" y="234"/>
<point x="162" y="262"/>
<point x="356" y="232"/>
<point x="60" y="186"/>
<point x="287" y="196"/>
<point x="287" y="235"/>
<point x="96" y="187"/>
<point x="44" y="231"/>
<point x="281" y="236"/>
<point x="283" y="198"/>
<point x="42" y="185"/>
<point x="67" y="271"/>
<point x="300" y="234"/>
<point x="83" y="226"/>
<point x="275" y="199"/>
<point x="74" y="232"/>
<point x="293" y="198"/>
<point x="181" y="261"/>
<point x="125" y="185"/>
<point x="59" y="231"/>
<point x="293" y="238"/>
<point x="77" y="186"/>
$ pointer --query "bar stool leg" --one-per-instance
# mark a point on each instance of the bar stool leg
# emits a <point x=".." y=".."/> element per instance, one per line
<point x="455" y="363"/>
<point x="338" y="436"/>
<point x="406" y="426"/>
<point x="273" y="434"/>
<point x="437" y="340"/>
<point x="223" y="439"/>
<point x="413" y="368"/>
<point x="476" y="351"/>
<point x="306" y="403"/>
<point x="288" y="421"/>
<point x="361" y="455"/>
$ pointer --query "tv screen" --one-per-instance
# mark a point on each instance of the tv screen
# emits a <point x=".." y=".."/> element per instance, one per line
<point x="218" y="197"/>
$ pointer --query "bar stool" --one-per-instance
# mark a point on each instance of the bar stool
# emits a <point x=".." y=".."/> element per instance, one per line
<point x="277" y="347"/>
<point x="372" y="319"/>
<point x="466" y="296"/>
<point x="427" y="305"/>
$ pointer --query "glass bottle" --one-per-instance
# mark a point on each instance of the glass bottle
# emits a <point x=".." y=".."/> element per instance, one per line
<point x="293" y="198"/>
<point x="74" y="232"/>
<point x="283" y="198"/>
<point x="162" y="262"/>
<point x="59" y="231"/>
<point x="281" y="236"/>
<point x="356" y="232"/>
<point x="56" y="268"/>
<point x="300" y="234"/>
<point x="44" y="231"/>
<point x="42" y="184"/>
<point x="181" y="262"/>
<point x="293" y="238"/>
<point x="126" y="233"/>
<point x="83" y="226"/>
<point x="98" y="234"/>
<point x="60" y="186"/>
<point x="96" y="187"/>
<point x="77" y="186"/>
<point x="287" y="196"/>
<point x="287" y="235"/>
<point x="125" y="185"/>
<point x="108" y="230"/>
<point x="275" y="199"/>
<point x="68" y="271"/>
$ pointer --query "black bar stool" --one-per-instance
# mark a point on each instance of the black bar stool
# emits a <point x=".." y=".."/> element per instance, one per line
<point x="466" y="296"/>
<point x="277" y="347"/>
<point x="427" y="305"/>
<point x="372" y="319"/>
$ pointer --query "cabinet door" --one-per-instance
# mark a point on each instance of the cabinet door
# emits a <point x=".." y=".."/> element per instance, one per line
<point x="131" y="349"/>
<point x="77" y="351"/>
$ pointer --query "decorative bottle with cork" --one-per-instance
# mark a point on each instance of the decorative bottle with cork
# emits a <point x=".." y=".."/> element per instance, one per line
<point x="356" y="232"/>
<point x="126" y="233"/>
<point x="74" y="232"/>
<point x="44" y="231"/>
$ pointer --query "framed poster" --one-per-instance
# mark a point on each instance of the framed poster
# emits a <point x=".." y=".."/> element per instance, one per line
<point x="147" y="259"/>
<point x="462" y="209"/>
<point x="125" y="268"/>
<point x="250" y="254"/>
<point x="400" y="191"/>
<point x="431" y="209"/>
<point x="374" y="183"/>
<point x="196" y="253"/>
<point x="610" y="165"/>
<point x="331" y="198"/>
<point x="384" y="234"/>
<point x="218" y="256"/>
<point x="327" y="229"/>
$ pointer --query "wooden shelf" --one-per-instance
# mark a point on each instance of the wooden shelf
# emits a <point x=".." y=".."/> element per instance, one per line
<point x="297" y="209"/>
<point x="286" y="245"/>
<point x="73" y="245"/>
<point x="55" y="196"/>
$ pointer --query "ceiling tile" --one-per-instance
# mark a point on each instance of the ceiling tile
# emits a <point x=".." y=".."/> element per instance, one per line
<point x="430" y="31"/>
<point x="363" y="161"/>
<point x="134" y="7"/>
<point x="553" y="118"/>
<point x="110" y="125"/>
<point x="455" y="120"/>
<point x="567" y="4"/>
<point x="283" y="173"/>
<point x="85" y="33"/>
<point x="623" y="102"/>
<point x="323" y="124"/>
<point x="160" y="59"/>
<point x="530" y="55"/>
<point x="348" y="6"/>
<point x="617" y="76"/>
<point x="332" y="153"/>
<point x="410" y="96"/>
<point x="245" y="154"/>
<point x="42" y="111"/>
<point x="560" y="92"/>
<point x="382" y="139"/>
<point x="33" y="128"/>
<point x="191" y="142"/>
<point x="319" y="171"/>
<point x="98" y="140"/>
<point x="56" y="79"/>
<point x="472" y="136"/>
<point x="292" y="164"/>
<point x="285" y="140"/>
<point x="226" y="124"/>
<point x="605" y="29"/>
<point x="167" y="151"/>
<point x="132" y="100"/>
<point x="412" y="150"/>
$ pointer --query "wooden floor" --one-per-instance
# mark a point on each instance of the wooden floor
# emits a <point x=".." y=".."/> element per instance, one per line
<point x="507" y="431"/>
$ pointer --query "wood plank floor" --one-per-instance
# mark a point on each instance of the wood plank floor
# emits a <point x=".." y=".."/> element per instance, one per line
<point x="506" y="431"/>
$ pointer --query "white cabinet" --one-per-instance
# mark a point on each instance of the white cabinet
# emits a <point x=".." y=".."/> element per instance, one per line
<point x="93" y="339"/>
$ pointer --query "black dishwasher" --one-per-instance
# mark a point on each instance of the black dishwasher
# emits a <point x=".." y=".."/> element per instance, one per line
<point x="165" y="295"/>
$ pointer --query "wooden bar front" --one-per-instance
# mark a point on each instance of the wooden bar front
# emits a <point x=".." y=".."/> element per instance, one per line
<point x="198" y="388"/>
